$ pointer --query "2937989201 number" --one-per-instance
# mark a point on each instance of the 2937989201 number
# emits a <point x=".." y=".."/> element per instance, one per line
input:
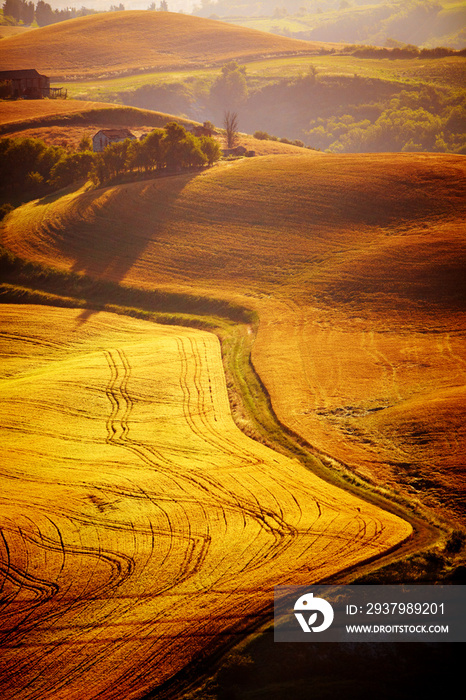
<point x="424" y="608"/>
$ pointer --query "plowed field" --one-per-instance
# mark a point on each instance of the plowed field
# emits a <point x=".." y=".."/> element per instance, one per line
<point x="356" y="265"/>
<point x="140" y="528"/>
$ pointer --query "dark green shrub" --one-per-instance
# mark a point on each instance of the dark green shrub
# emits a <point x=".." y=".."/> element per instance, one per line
<point x="261" y="135"/>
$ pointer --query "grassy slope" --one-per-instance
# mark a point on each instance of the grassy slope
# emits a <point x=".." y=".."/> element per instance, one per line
<point x="447" y="72"/>
<point x="105" y="44"/>
<point x="70" y="136"/>
<point x="356" y="265"/>
<point x="140" y="484"/>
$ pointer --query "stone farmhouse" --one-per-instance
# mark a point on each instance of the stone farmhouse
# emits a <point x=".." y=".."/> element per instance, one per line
<point x="105" y="137"/>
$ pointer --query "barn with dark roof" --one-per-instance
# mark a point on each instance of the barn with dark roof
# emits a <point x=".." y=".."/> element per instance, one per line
<point x="26" y="83"/>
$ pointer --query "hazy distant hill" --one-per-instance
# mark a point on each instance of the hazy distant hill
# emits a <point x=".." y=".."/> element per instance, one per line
<point x="421" y="22"/>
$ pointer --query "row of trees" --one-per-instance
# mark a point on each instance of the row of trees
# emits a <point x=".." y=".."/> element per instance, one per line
<point x="171" y="148"/>
<point x="29" y="168"/>
<point x="26" y="170"/>
<point x="25" y="12"/>
<point x="406" y="51"/>
<point x="238" y="8"/>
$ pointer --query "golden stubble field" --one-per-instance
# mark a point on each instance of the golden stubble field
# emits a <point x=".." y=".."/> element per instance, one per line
<point x="356" y="266"/>
<point x="108" y="44"/>
<point x="140" y="528"/>
<point x="24" y="110"/>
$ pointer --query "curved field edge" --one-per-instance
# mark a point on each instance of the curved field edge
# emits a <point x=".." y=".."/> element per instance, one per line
<point x="251" y="408"/>
<point x="123" y="432"/>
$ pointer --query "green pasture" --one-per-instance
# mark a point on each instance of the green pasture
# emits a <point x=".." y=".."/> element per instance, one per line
<point x="101" y="89"/>
<point x="296" y="23"/>
<point x="447" y="72"/>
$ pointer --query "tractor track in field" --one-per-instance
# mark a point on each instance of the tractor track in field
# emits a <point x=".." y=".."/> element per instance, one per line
<point x="195" y="415"/>
<point x="209" y="519"/>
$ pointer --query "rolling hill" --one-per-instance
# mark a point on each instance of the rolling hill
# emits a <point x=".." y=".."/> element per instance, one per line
<point x="59" y="122"/>
<point x="19" y="115"/>
<point x="142" y="532"/>
<point x="65" y="122"/>
<point x="109" y="44"/>
<point x="355" y="264"/>
<point x="422" y="24"/>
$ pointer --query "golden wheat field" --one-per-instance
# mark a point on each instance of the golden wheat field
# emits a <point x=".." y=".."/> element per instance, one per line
<point x="104" y="44"/>
<point x="140" y="527"/>
<point x="355" y="264"/>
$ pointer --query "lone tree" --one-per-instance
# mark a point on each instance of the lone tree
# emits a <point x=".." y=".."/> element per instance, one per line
<point x="230" y="123"/>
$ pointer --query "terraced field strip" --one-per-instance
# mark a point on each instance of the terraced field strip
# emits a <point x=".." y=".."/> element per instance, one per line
<point x="140" y="528"/>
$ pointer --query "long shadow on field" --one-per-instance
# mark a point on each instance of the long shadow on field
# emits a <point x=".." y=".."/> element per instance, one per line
<point x="124" y="235"/>
<point x="58" y="194"/>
